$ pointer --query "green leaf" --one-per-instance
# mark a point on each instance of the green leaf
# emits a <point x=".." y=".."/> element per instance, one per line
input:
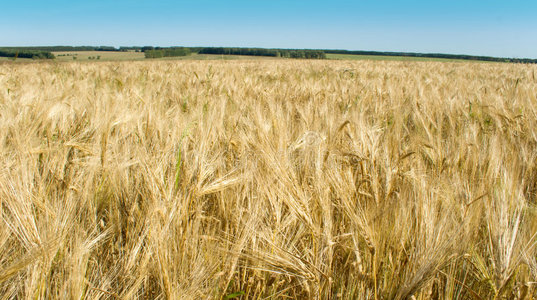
<point x="234" y="295"/>
<point x="178" y="167"/>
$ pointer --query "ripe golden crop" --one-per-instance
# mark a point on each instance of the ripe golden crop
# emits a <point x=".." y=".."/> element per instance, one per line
<point x="268" y="178"/>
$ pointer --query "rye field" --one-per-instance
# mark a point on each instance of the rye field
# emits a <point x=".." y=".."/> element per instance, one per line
<point x="268" y="179"/>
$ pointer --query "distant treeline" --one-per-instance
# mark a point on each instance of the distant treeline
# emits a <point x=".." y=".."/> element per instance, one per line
<point x="45" y="52"/>
<point x="166" y="52"/>
<point x="291" y="53"/>
<point x="435" y="55"/>
<point x="64" y="48"/>
<point x="155" y="52"/>
<point x="18" y="53"/>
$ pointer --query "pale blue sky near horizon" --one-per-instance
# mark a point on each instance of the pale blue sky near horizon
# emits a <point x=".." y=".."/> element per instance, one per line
<point x="495" y="28"/>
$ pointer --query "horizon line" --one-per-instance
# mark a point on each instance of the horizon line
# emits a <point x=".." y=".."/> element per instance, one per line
<point x="395" y="53"/>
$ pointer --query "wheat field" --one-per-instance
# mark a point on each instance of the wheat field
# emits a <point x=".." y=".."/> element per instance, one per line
<point x="268" y="179"/>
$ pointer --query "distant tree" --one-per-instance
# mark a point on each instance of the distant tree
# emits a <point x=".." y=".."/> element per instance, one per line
<point x="166" y="52"/>
<point x="16" y="53"/>
<point x="313" y="54"/>
<point x="106" y="48"/>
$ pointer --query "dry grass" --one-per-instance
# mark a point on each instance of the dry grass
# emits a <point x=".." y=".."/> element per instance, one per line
<point x="268" y="179"/>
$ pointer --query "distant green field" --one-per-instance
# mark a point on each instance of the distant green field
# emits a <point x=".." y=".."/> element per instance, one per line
<point x="118" y="56"/>
<point x="130" y="56"/>
<point x="217" y="57"/>
<point x="392" y="58"/>
<point x="97" y="55"/>
<point x="6" y="59"/>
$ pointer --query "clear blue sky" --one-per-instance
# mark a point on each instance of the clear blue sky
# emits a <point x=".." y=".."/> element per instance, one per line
<point x="497" y="28"/>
